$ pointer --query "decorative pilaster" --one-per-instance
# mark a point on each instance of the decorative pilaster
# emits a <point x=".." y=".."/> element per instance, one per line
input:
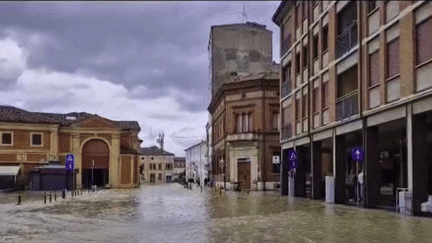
<point x="115" y="161"/>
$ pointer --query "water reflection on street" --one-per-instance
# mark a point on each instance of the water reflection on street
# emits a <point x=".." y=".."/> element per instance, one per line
<point x="171" y="213"/>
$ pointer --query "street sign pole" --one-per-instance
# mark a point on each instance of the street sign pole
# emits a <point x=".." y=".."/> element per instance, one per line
<point x="357" y="186"/>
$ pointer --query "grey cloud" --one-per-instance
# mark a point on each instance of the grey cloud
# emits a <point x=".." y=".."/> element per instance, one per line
<point x="112" y="40"/>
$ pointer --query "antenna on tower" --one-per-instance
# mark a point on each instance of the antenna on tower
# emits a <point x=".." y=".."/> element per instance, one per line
<point x="244" y="14"/>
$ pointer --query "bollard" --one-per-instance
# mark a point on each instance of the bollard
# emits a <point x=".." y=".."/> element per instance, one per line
<point x="64" y="193"/>
<point x="55" y="196"/>
<point x="19" y="199"/>
<point x="50" y="196"/>
<point x="44" y="197"/>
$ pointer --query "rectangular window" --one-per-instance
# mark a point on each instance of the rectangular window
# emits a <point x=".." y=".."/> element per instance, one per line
<point x="325" y="94"/>
<point x="287" y="73"/>
<point x="315" y="46"/>
<point x="36" y="139"/>
<point x="305" y="9"/>
<point x="305" y="56"/>
<point x="275" y="121"/>
<point x="424" y="43"/>
<point x="305" y="106"/>
<point x="6" y="138"/>
<point x="250" y="126"/>
<point x="298" y="15"/>
<point x="160" y="177"/>
<point x="374" y="69"/>
<point x="285" y="117"/>
<point x="160" y="166"/>
<point x="238" y="123"/>
<point x="316" y="99"/>
<point x="297" y="64"/>
<point x="325" y="38"/>
<point x="298" y="110"/>
<point x="245" y="122"/>
<point x="371" y="6"/>
<point x="393" y="58"/>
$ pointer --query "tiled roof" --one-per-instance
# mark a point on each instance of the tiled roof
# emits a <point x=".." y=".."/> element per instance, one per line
<point x="154" y="150"/>
<point x="124" y="150"/>
<point x="13" y="114"/>
<point x="180" y="159"/>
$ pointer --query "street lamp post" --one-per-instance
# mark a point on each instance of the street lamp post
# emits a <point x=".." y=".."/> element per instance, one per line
<point x="224" y="171"/>
<point x="92" y="184"/>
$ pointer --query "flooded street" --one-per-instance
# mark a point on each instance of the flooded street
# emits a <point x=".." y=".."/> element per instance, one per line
<point x="171" y="213"/>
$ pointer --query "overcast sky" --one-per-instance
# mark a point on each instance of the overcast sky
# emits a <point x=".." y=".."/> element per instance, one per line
<point x="141" y="61"/>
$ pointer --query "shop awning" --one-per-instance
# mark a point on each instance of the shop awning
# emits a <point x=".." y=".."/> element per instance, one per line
<point x="9" y="170"/>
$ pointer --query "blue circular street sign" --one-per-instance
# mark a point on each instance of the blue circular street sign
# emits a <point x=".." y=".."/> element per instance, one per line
<point x="70" y="162"/>
<point x="357" y="154"/>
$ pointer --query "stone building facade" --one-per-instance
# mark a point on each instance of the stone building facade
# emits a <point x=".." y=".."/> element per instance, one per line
<point x="245" y="134"/>
<point x="158" y="165"/>
<point x="197" y="162"/>
<point x="107" y="147"/>
<point x="357" y="74"/>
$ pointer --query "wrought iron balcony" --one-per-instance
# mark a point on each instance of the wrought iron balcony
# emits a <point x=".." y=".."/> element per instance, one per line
<point x="346" y="40"/>
<point x="285" y="88"/>
<point x="347" y="105"/>
<point x="286" y="131"/>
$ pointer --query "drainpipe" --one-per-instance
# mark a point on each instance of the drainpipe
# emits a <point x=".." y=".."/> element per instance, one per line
<point x="263" y="169"/>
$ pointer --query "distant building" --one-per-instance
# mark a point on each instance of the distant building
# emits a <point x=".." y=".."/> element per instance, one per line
<point x="245" y="137"/>
<point x="179" y="166"/>
<point x="158" y="165"/>
<point x="197" y="164"/>
<point x="108" y="147"/>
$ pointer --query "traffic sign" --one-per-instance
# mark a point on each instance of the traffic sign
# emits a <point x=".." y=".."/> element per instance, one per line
<point x="70" y="162"/>
<point x="292" y="158"/>
<point x="357" y="154"/>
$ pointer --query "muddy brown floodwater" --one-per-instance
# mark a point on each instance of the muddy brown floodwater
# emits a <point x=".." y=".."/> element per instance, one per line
<point x="171" y="213"/>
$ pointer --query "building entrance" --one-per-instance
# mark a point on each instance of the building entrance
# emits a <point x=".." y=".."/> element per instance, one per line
<point x="95" y="157"/>
<point x="244" y="175"/>
<point x="392" y="161"/>
<point x="100" y="177"/>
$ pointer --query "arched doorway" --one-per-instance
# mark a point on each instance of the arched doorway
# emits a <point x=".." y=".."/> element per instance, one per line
<point x="97" y="174"/>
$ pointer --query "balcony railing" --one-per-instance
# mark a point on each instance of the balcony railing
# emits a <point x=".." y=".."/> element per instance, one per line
<point x="347" y="106"/>
<point x="286" y="131"/>
<point x="286" y="45"/>
<point x="285" y="89"/>
<point x="346" y="40"/>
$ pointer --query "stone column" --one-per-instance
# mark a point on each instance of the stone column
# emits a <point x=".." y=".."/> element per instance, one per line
<point x="76" y="150"/>
<point x="284" y="173"/>
<point x="372" y="178"/>
<point x="418" y="165"/>
<point x="300" y="175"/>
<point x="340" y="169"/>
<point x="54" y="143"/>
<point x="316" y="166"/>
